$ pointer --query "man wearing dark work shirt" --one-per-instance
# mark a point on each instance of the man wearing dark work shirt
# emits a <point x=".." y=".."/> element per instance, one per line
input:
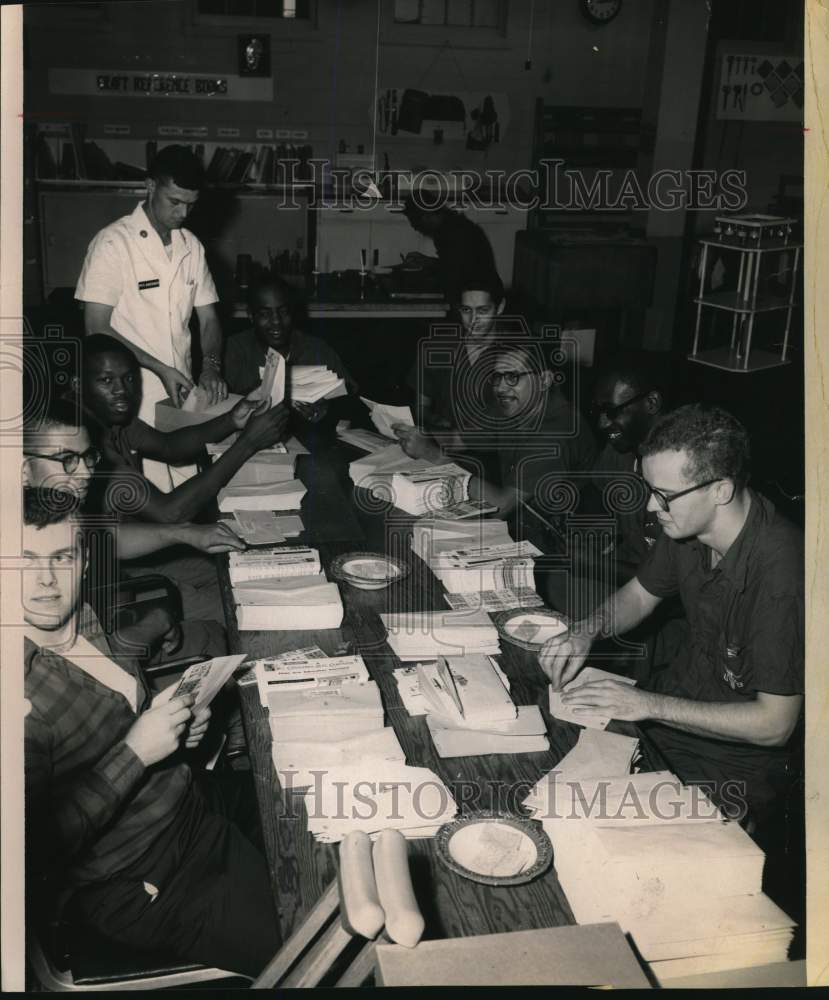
<point x="724" y="712"/>
<point x="462" y="246"/>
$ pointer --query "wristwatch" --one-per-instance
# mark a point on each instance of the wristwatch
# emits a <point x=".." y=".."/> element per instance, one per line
<point x="211" y="361"/>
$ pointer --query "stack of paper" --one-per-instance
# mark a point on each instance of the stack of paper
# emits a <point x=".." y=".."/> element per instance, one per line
<point x="390" y="795"/>
<point x="335" y="712"/>
<point x="289" y="447"/>
<point x="272" y="375"/>
<point x="301" y="763"/>
<point x="297" y="672"/>
<point x="362" y="439"/>
<point x="324" y="712"/>
<point x="495" y="600"/>
<point x="524" y="734"/>
<point x="265" y="468"/>
<point x="376" y="470"/>
<point x="424" y="491"/>
<point x="304" y="602"/>
<point x="426" y="635"/>
<point x="657" y="858"/>
<point x="311" y="383"/>
<point x="277" y="562"/>
<point x="435" y="535"/>
<point x="466" y="691"/>
<point x="586" y="675"/>
<point x="597" y="754"/>
<point x="506" y="566"/>
<point x="270" y="496"/>
<point x="263" y="527"/>
<point x="711" y="935"/>
<point x="383" y="416"/>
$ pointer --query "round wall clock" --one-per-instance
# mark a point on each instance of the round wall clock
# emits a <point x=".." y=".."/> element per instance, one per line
<point x="600" y="11"/>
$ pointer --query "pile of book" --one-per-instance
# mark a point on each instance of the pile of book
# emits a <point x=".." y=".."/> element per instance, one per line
<point x="283" y="587"/>
<point x="468" y="708"/>
<point x="311" y="383"/>
<point x="657" y="857"/>
<point x="426" y="635"/>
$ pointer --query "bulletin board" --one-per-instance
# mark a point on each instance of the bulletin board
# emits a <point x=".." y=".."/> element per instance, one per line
<point x="760" y="88"/>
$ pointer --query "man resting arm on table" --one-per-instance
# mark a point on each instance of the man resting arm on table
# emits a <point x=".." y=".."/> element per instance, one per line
<point x="726" y="707"/>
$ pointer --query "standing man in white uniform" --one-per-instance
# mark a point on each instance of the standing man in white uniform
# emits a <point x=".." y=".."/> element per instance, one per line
<point x="142" y="278"/>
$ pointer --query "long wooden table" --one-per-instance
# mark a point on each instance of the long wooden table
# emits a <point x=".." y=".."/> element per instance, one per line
<point x="339" y="519"/>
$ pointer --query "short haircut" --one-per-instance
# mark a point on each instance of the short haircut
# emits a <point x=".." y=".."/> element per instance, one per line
<point x="179" y="165"/>
<point x="643" y="371"/>
<point x="102" y="343"/>
<point x="43" y="506"/>
<point x="268" y="281"/>
<point x="62" y="411"/>
<point x="716" y="442"/>
<point x="489" y="283"/>
<point x="532" y="354"/>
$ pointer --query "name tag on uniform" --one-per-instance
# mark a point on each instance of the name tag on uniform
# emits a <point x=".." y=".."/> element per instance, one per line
<point x="143" y="285"/>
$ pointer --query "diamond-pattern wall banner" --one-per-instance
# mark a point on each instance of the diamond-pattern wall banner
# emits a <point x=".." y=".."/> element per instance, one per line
<point x="760" y="88"/>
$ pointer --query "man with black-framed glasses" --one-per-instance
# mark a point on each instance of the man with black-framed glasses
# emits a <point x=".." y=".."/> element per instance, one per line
<point x="724" y="711"/>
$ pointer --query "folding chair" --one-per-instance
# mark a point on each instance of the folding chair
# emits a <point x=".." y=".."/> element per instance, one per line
<point x="319" y="946"/>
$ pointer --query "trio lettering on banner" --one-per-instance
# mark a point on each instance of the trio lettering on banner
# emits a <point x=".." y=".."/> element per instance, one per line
<point x="109" y="83"/>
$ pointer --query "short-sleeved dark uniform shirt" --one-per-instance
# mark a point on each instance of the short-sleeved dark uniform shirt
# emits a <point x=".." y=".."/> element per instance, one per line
<point x="636" y="527"/>
<point x="560" y="445"/>
<point x="464" y="254"/>
<point x="745" y="620"/>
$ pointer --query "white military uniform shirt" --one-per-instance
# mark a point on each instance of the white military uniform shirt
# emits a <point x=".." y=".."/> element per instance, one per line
<point x="153" y="297"/>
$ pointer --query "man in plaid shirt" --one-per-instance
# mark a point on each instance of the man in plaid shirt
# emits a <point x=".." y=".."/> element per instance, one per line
<point x="115" y="822"/>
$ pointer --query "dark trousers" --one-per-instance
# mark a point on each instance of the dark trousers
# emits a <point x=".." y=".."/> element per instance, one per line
<point x="213" y="903"/>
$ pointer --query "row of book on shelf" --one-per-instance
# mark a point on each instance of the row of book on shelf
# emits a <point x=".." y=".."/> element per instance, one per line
<point x="74" y="157"/>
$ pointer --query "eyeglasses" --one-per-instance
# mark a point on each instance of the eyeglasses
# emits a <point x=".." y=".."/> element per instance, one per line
<point x="266" y="313"/>
<point x="511" y="378"/>
<point x="610" y="411"/>
<point x="665" y="501"/>
<point x="467" y="312"/>
<point x="71" y="459"/>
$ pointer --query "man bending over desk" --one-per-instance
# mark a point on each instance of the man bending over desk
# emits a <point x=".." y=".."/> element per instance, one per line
<point x="118" y="833"/>
<point x="724" y="711"/>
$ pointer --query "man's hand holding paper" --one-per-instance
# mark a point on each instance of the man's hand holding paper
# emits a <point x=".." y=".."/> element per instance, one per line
<point x="563" y="656"/>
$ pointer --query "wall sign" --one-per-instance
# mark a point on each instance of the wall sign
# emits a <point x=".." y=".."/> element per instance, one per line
<point x="187" y="86"/>
<point x="760" y="88"/>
